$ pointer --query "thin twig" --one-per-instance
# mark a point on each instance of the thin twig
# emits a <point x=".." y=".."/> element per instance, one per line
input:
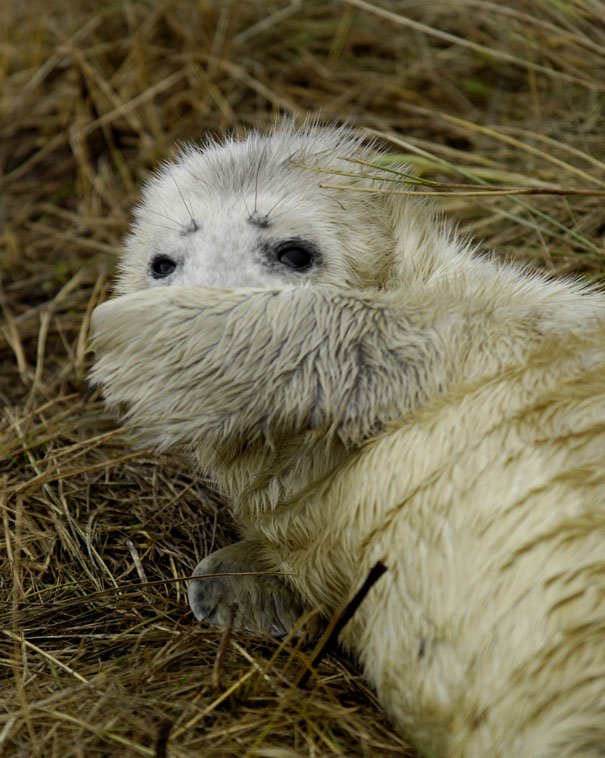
<point x="161" y="740"/>
<point x="338" y="622"/>
<point x="222" y="648"/>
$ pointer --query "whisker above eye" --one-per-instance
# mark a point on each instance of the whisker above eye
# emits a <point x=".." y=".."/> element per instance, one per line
<point x="189" y="210"/>
<point x="284" y="196"/>
<point x="165" y="226"/>
<point x="244" y="202"/>
<point x="258" y="167"/>
<point x="169" y="218"/>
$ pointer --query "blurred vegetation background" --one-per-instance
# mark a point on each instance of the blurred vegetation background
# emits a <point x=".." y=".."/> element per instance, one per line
<point x="99" y="653"/>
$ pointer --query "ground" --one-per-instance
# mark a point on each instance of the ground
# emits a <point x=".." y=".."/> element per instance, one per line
<point x="100" y="654"/>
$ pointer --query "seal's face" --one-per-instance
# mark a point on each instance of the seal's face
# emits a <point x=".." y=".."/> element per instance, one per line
<point x="221" y="239"/>
<point x="253" y="214"/>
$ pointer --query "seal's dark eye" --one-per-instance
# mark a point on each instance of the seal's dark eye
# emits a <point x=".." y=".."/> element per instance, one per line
<point x="162" y="266"/>
<point x="295" y="255"/>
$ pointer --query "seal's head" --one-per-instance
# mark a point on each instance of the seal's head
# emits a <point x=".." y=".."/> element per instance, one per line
<point x="253" y="213"/>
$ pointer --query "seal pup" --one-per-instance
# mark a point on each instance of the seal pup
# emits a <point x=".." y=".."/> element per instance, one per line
<point x="362" y="386"/>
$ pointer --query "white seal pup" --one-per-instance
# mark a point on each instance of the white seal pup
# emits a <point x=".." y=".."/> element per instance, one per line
<point x="362" y="387"/>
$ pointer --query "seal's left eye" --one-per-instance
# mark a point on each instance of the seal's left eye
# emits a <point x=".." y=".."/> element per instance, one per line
<point x="295" y="255"/>
<point x="162" y="266"/>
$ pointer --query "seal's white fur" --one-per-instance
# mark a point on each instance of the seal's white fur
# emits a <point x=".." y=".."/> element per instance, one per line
<point x="412" y="403"/>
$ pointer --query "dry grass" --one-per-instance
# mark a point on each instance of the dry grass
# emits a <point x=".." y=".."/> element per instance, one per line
<point x="99" y="653"/>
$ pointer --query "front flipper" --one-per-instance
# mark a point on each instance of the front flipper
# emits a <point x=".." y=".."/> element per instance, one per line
<point x="258" y="602"/>
<point x="223" y="370"/>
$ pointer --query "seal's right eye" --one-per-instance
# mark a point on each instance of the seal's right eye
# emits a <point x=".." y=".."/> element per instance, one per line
<point x="162" y="266"/>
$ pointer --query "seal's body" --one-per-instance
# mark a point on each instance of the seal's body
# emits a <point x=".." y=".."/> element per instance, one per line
<point x="362" y="387"/>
